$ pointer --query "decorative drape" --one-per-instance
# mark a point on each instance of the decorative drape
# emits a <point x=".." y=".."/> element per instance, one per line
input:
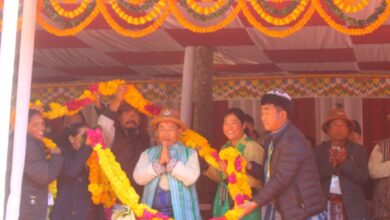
<point x="136" y="18"/>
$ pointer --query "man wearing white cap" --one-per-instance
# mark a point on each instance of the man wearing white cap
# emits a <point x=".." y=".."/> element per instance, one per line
<point x="292" y="188"/>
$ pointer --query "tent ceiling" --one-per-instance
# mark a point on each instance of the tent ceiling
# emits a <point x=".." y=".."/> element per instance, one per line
<point x="99" y="53"/>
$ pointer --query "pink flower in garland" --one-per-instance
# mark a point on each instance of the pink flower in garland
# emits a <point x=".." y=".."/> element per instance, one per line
<point x="238" y="163"/>
<point x="219" y="218"/>
<point x="153" y="109"/>
<point x="240" y="198"/>
<point x="216" y="156"/>
<point x="232" y="178"/>
<point x="94" y="88"/>
<point x="147" y="215"/>
<point x="77" y="104"/>
<point x="95" y="136"/>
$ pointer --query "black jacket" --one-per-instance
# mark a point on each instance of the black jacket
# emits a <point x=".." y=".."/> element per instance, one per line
<point x="353" y="174"/>
<point x="294" y="183"/>
<point x="38" y="173"/>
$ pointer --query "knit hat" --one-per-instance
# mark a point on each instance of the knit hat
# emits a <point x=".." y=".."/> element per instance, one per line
<point x="278" y="98"/>
<point x="337" y="113"/>
<point x="168" y="114"/>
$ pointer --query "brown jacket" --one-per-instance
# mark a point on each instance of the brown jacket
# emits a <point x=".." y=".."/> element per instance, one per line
<point x="294" y="183"/>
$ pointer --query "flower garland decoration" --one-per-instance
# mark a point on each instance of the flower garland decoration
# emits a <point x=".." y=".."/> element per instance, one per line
<point x="194" y="140"/>
<point x="279" y="12"/>
<point x="120" y="183"/>
<point x="136" y="32"/>
<point x="205" y="29"/>
<point x="49" y="144"/>
<point x="279" y="21"/>
<point x="137" y="7"/>
<point x="206" y="13"/>
<point x="106" y="176"/>
<point x="149" y="16"/>
<point x="353" y="31"/>
<point x="238" y="185"/>
<point x="277" y="33"/>
<point x="347" y="7"/>
<point x="67" y="31"/>
<point x="69" y="14"/>
<point x="358" y="22"/>
<point x="201" y="9"/>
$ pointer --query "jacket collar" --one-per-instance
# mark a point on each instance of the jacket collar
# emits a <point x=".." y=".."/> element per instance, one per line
<point x="274" y="136"/>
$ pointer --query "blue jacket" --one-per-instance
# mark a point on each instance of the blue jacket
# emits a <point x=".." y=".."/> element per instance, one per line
<point x="73" y="200"/>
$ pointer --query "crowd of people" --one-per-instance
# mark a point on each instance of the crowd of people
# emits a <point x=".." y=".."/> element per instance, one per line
<point x="289" y="179"/>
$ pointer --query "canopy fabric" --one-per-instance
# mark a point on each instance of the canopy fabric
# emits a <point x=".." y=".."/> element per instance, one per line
<point x="100" y="53"/>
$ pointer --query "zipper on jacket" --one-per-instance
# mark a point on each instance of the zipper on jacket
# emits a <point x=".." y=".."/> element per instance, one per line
<point x="298" y="195"/>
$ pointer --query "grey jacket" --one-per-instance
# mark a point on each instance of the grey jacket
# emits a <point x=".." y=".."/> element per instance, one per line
<point x="38" y="173"/>
<point x="353" y="174"/>
<point x="294" y="183"/>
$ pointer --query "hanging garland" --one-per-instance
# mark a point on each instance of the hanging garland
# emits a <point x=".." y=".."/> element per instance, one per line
<point x="69" y="14"/>
<point x="205" y="13"/>
<point x="277" y="33"/>
<point x="101" y="188"/>
<point x="69" y="29"/>
<point x="353" y="31"/>
<point x="203" y="10"/>
<point x="276" y="20"/>
<point x="149" y="16"/>
<point x="347" y="7"/>
<point x="49" y="144"/>
<point x="137" y="8"/>
<point x="131" y="33"/>
<point x="278" y="12"/>
<point x="202" y="29"/>
<point x="119" y="182"/>
<point x="358" y="22"/>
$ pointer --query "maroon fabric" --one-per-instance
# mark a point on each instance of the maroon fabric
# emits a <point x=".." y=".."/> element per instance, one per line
<point x="303" y="117"/>
<point x="375" y="125"/>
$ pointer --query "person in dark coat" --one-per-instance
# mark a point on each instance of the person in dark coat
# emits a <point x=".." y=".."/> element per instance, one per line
<point x="292" y="188"/>
<point x="124" y="134"/>
<point x="38" y="171"/>
<point x="73" y="198"/>
<point x="343" y="169"/>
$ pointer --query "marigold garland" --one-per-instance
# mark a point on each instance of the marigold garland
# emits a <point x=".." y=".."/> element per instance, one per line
<point x="347" y="7"/>
<point x="49" y="144"/>
<point x="205" y="29"/>
<point x="121" y="184"/>
<point x="149" y="16"/>
<point x="238" y="185"/>
<point x="352" y="31"/>
<point x="109" y="178"/>
<point x="194" y="5"/>
<point x="276" y="33"/>
<point x="67" y="31"/>
<point x="276" y="20"/>
<point x="131" y="33"/>
<point x="69" y="14"/>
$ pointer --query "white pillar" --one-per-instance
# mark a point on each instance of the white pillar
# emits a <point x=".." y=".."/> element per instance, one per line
<point x="7" y="60"/>
<point x="186" y="94"/>
<point x="26" y="55"/>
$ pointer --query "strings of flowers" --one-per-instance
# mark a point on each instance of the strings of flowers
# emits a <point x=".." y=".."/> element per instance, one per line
<point x="118" y="180"/>
<point x="238" y="185"/>
<point x="146" y="16"/>
<point x="106" y="174"/>
<point x="49" y="144"/>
